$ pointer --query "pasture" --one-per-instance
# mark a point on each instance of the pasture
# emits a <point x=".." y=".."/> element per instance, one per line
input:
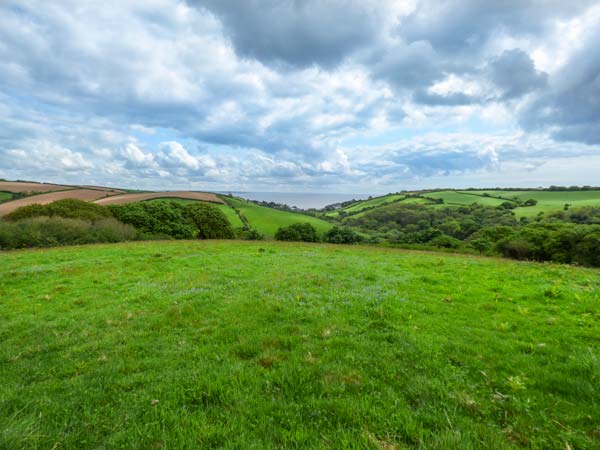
<point x="268" y="220"/>
<point x="267" y="345"/>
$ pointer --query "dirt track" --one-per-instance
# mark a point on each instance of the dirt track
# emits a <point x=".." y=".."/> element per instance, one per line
<point x="130" y="198"/>
<point x="43" y="199"/>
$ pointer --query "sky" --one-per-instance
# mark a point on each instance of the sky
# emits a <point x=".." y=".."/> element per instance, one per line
<point x="348" y="96"/>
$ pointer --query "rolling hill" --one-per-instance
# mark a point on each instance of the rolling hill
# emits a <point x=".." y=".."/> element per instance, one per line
<point x="547" y="200"/>
<point x="240" y="212"/>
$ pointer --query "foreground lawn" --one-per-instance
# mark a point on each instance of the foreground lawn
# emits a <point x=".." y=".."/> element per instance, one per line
<point x="265" y="345"/>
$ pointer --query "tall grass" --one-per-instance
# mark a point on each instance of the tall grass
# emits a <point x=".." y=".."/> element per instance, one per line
<point x="56" y="231"/>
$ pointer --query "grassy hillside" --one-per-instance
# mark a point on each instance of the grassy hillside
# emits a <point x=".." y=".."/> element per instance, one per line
<point x="268" y="220"/>
<point x="547" y="200"/>
<point x="266" y="345"/>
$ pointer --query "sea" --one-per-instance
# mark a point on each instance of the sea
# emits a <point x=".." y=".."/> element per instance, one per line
<point x="300" y="199"/>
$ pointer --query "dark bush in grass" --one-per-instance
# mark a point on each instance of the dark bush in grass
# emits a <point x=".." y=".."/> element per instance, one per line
<point x="55" y="231"/>
<point x="211" y="222"/>
<point x="160" y="219"/>
<point x="339" y="235"/>
<point x="175" y="220"/>
<point x="67" y="208"/>
<point x="297" y="232"/>
<point x="445" y="241"/>
<point x="248" y="234"/>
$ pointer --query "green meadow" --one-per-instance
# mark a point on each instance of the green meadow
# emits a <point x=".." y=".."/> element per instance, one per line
<point x="242" y="345"/>
<point x="547" y="201"/>
<point x="5" y="196"/>
<point x="268" y="220"/>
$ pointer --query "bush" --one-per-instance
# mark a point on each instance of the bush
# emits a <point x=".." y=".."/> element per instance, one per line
<point x="248" y="234"/>
<point x="339" y="235"/>
<point x="297" y="232"/>
<point x="55" y="231"/>
<point x="67" y="208"/>
<point x="445" y="241"/>
<point x="158" y="219"/>
<point x="175" y="220"/>
<point x="210" y="221"/>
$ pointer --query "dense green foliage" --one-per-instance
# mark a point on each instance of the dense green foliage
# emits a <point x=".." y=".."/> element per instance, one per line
<point x="300" y="232"/>
<point x="67" y="208"/>
<point x="342" y="235"/>
<point x="564" y="236"/>
<point x="175" y="219"/>
<point x="278" y="345"/>
<point x="55" y="231"/>
<point x="210" y="221"/>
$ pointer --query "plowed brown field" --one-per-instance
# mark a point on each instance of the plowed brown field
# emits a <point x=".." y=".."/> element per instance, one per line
<point x="130" y="198"/>
<point x="17" y="186"/>
<point x="43" y="199"/>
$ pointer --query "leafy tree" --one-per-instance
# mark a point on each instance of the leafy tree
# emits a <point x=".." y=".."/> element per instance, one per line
<point x="210" y="221"/>
<point x="339" y="235"/>
<point x="297" y="232"/>
<point x="481" y="245"/>
<point x="164" y="219"/>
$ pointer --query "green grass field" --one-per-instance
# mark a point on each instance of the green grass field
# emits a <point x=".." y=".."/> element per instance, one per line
<point x="232" y="216"/>
<point x="548" y="201"/>
<point x="268" y="220"/>
<point x="242" y="345"/>
<point x="5" y="196"/>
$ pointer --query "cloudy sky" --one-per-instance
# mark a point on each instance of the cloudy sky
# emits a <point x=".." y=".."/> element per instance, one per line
<point x="355" y="96"/>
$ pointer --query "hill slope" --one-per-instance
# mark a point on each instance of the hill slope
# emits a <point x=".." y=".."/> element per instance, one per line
<point x="268" y="220"/>
<point x="267" y="345"/>
<point x="546" y="200"/>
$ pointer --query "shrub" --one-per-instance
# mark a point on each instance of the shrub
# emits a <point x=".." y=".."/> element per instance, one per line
<point x="338" y="235"/>
<point x="211" y="222"/>
<point x="55" y="231"/>
<point x="297" y="232"/>
<point x="445" y="241"/>
<point x="248" y="234"/>
<point x="67" y="209"/>
<point x="175" y="220"/>
<point x="159" y="219"/>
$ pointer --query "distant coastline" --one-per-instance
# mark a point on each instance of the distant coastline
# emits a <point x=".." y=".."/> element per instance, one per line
<point x="298" y="199"/>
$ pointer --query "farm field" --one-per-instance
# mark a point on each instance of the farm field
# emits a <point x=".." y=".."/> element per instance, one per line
<point x="21" y="186"/>
<point x="548" y="201"/>
<point x="4" y="196"/>
<point x="268" y="220"/>
<point x="268" y="345"/>
<point x="131" y="198"/>
<point x="44" y="199"/>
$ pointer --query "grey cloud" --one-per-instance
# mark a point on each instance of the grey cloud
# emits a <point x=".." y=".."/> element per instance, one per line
<point x="515" y="74"/>
<point x="298" y="32"/>
<point x="454" y="99"/>
<point x="570" y="107"/>
<point x="458" y="26"/>
<point x="408" y="66"/>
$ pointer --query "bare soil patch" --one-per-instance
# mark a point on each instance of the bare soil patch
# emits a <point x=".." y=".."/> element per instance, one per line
<point x="18" y="186"/>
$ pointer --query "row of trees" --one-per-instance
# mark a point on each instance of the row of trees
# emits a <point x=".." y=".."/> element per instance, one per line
<point x="571" y="236"/>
